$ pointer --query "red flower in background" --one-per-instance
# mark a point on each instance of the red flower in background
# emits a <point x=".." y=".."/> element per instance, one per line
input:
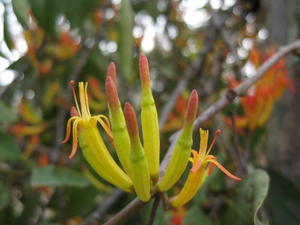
<point x="258" y="103"/>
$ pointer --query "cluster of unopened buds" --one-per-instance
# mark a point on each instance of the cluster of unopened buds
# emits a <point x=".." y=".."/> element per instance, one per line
<point x="140" y="163"/>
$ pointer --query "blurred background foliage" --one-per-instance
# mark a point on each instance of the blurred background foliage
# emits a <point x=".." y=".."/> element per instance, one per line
<point x="208" y="45"/>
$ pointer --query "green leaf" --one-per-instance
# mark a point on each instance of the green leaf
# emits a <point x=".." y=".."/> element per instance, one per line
<point x="45" y="13"/>
<point x="251" y="195"/>
<point x="8" y="148"/>
<point x="6" y="32"/>
<point x="21" y="9"/>
<point x="283" y="201"/>
<point x="56" y="177"/>
<point x="126" y="39"/>
<point x="4" y="196"/>
<point x="30" y="202"/>
<point x="81" y="200"/>
<point x="7" y="115"/>
<point x="76" y="11"/>
<point x="196" y="216"/>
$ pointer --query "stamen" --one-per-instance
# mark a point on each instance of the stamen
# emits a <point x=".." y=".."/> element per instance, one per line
<point x="218" y="132"/>
<point x="86" y="99"/>
<point x="72" y="83"/>
<point x="82" y="99"/>
<point x="203" y="143"/>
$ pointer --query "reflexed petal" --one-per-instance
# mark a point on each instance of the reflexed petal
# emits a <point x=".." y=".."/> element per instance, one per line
<point x="230" y="175"/>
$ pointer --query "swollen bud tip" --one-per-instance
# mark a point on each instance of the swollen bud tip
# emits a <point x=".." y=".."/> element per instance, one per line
<point x="111" y="92"/>
<point x="111" y="72"/>
<point x="192" y="107"/>
<point x="218" y="132"/>
<point x="144" y="70"/>
<point x="131" y="120"/>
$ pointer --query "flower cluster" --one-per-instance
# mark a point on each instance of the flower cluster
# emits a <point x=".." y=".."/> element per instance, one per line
<point x="258" y="103"/>
<point x="140" y="163"/>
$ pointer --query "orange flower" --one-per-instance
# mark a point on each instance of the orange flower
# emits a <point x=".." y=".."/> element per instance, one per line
<point x="178" y="215"/>
<point x="259" y="101"/>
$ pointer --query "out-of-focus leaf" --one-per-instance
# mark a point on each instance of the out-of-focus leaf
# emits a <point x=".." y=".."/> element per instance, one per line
<point x="30" y="203"/>
<point x="244" y="209"/>
<point x="126" y="39"/>
<point x="251" y="195"/>
<point x="6" y="32"/>
<point x="45" y="13"/>
<point x="7" y="115"/>
<point x="283" y="201"/>
<point x="81" y="200"/>
<point x="196" y="216"/>
<point x="4" y="196"/>
<point x="21" y="9"/>
<point x="161" y="216"/>
<point x="96" y="64"/>
<point x="77" y="11"/>
<point x="8" y="148"/>
<point x="56" y="177"/>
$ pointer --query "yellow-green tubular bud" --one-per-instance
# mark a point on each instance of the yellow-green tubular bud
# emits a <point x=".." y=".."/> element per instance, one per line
<point x="182" y="149"/>
<point x="149" y="120"/>
<point x="140" y="172"/>
<point x="97" y="155"/>
<point x="118" y="124"/>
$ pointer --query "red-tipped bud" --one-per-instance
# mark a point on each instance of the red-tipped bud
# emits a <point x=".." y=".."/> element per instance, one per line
<point x="218" y="132"/>
<point x="111" y="93"/>
<point x="74" y="111"/>
<point x="192" y="107"/>
<point x="131" y="120"/>
<point x="144" y="71"/>
<point x="111" y="72"/>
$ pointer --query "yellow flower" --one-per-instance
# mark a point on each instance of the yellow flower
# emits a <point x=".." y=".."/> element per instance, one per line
<point x="203" y="164"/>
<point x="93" y="147"/>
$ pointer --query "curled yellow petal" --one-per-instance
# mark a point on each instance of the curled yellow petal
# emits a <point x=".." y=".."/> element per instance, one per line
<point x="225" y="171"/>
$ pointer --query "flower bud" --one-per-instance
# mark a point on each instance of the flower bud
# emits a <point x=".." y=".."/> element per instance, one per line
<point x="182" y="149"/>
<point x="139" y="165"/>
<point x="149" y="118"/>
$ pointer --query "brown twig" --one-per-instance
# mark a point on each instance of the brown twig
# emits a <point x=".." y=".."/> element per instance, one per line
<point x="154" y="209"/>
<point x="196" y="65"/>
<point x="126" y="212"/>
